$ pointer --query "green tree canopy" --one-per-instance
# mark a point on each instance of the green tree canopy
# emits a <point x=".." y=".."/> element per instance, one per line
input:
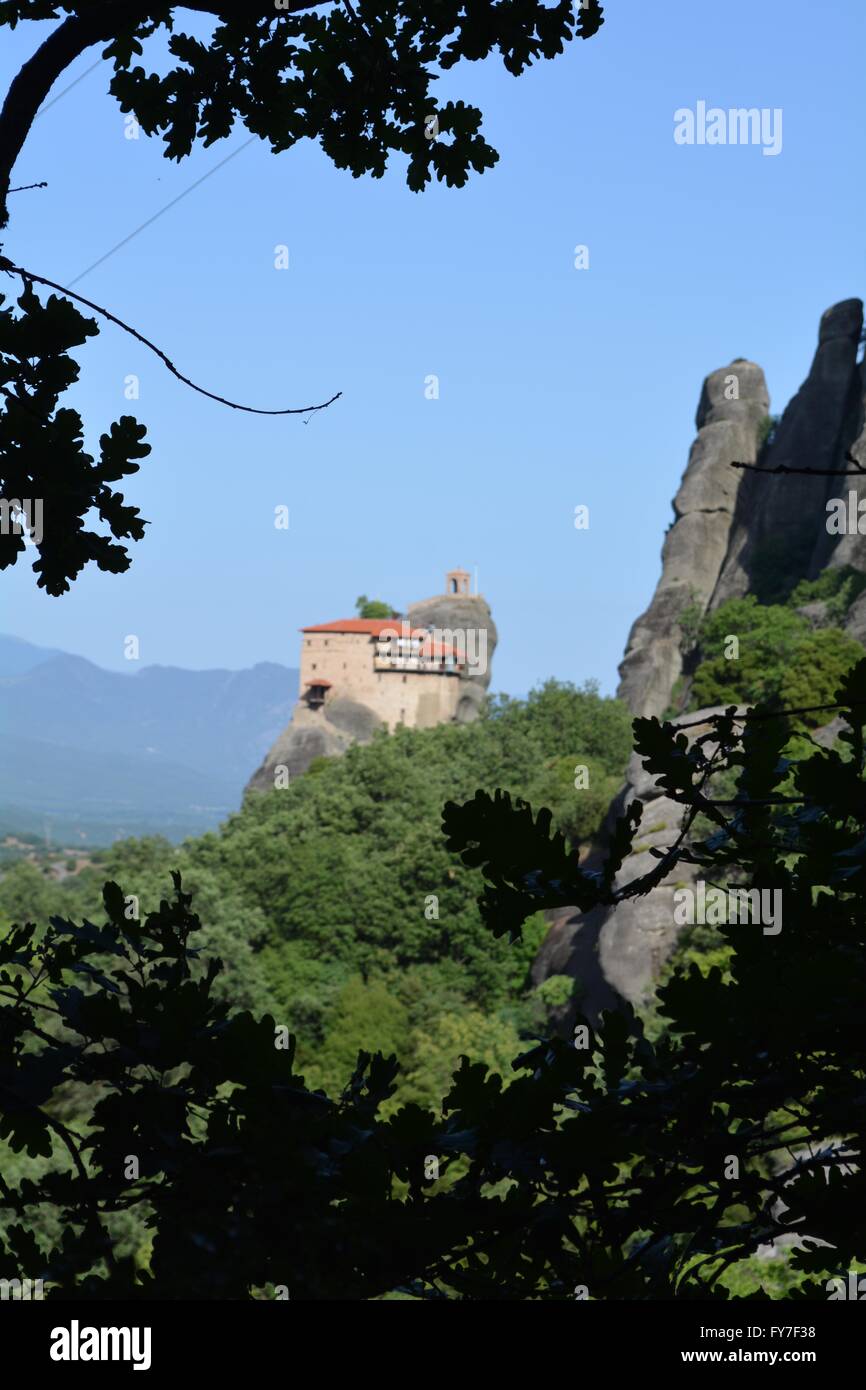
<point x="631" y="1168"/>
<point x="373" y="608"/>
<point x="778" y="656"/>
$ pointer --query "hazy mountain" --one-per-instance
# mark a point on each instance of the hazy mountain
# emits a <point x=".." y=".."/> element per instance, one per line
<point x="18" y="656"/>
<point x="94" y="754"/>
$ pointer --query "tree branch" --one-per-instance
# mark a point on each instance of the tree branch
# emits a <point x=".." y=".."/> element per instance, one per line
<point x="752" y="717"/>
<point x="856" y="471"/>
<point x="66" y="1136"/>
<point x="69" y="40"/>
<point x="28" y="275"/>
<point x="33" y="82"/>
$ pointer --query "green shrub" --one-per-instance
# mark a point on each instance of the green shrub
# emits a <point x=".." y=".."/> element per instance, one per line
<point x="373" y="608"/>
<point x="780" y="658"/>
<point x="822" y="660"/>
<point x="556" y="991"/>
<point x="768" y="636"/>
<point x="838" y="588"/>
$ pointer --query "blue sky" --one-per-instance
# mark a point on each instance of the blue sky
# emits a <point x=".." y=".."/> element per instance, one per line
<point x="558" y="387"/>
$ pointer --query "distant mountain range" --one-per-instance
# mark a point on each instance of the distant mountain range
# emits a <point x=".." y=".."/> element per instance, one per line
<point x="90" y="756"/>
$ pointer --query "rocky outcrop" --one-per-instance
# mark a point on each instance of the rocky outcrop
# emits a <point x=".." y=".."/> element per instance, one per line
<point x="779" y="534"/>
<point x="855" y="619"/>
<point x="311" y="735"/>
<point x="737" y="532"/>
<point x="851" y="549"/>
<point x="470" y="614"/>
<point x="733" y="403"/>
<point x="618" y="952"/>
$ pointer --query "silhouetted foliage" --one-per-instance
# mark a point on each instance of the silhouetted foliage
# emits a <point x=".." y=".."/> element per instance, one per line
<point x="42" y="449"/>
<point x="357" y="78"/>
<point x="622" y="1169"/>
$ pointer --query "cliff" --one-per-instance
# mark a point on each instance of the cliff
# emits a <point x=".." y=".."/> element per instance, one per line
<point x="734" y="533"/>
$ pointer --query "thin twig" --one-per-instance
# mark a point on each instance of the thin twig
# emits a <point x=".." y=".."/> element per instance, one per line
<point x="28" y="275"/>
<point x="22" y="188"/>
<point x="856" y="471"/>
<point x="66" y="1136"/>
<point x="752" y="717"/>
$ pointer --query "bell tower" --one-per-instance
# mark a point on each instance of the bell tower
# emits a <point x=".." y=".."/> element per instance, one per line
<point x="457" y="583"/>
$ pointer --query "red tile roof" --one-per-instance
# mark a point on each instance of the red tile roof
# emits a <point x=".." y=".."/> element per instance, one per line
<point x="373" y="626"/>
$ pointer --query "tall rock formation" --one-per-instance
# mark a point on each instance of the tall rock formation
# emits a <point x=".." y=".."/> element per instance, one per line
<point x="779" y="535"/>
<point x="734" y="533"/>
<point x="733" y="403"/>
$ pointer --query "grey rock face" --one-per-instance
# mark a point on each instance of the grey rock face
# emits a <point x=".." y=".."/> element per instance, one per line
<point x="734" y="533"/>
<point x="310" y="735"/>
<point x="463" y="613"/>
<point x="352" y="718"/>
<point x="851" y="549"/>
<point x="618" y="953"/>
<point x="571" y="948"/>
<point x="816" y="614"/>
<point x="779" y="533"/>
<point x="721" y="400"/>
<point x="732" y="404"/>
<point x="470" y="702"/>
<point x="637" y="936"/>
<point x="855" y="620"/>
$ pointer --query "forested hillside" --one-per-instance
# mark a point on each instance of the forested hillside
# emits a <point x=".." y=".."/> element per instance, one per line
<point x="336" y="905"/>
<point x="620" y="1163"/>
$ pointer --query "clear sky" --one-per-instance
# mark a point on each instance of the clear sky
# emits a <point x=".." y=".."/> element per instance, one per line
<point x="558" y="386"/>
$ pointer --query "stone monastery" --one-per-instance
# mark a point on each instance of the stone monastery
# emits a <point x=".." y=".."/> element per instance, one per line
<point x="426" y="667"/>
<point x="406" y="673"/>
